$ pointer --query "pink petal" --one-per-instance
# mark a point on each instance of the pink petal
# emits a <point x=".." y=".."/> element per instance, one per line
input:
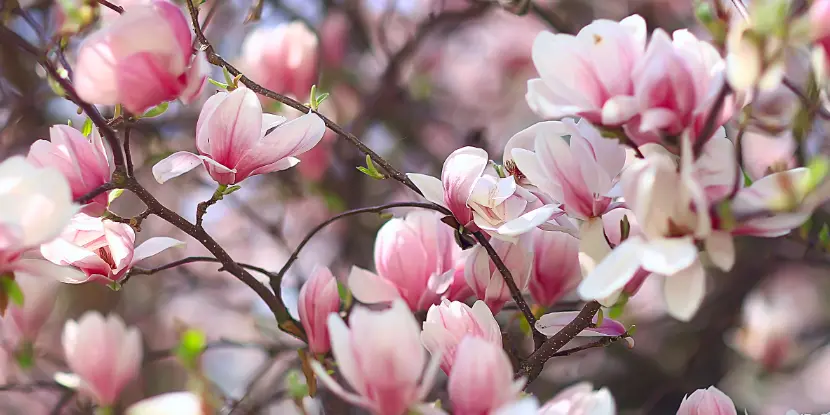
<point x="154" y="246"/>
<point x="175" y="165"/>
<point x="614" y="272"/>
<point x="368" y="287"/>
<point x="430" y="186"/>
<point x="684" y="291"/>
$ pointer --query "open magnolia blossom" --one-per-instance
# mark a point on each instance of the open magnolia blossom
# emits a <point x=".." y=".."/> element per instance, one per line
<point x="104" y="353"/>
<point x="101" y="249"/>
<point x="549" y="324"/>
<point x="588" y="75"/>
<point x="448" y="323"/>
<point x="35" y="206"/>
<point x="282" y="58"/>
<point x="236" y="140"/>
<point x="140" y="59"/>
<point x="381" y="358"/>
<point x="486" y="280"/>
<point x="415" y="258"/>
<point x="84" y="162"/>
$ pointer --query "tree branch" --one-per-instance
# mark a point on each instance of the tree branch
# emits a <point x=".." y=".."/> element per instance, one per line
<point x="602" y="342"/>
<point x="533" y="365"/>
<point x="190" y="260"/>
<point x="106" y="187"/>
<point x="515" y="292"/>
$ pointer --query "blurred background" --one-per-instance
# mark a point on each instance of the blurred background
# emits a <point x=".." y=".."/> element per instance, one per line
<point x="415" y="80"/>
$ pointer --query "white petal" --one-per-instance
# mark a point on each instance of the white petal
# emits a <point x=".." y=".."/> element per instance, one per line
<point x="47" y="269"/>
<point x="180" y="163"/>
<point x="430" y="186"/>
<point x="668" y="255"/>
<point x="153" y="246"/>
<point x="614" y="271"/>
<point x="176" y="403"/>
<point x="527" y="221"/>
<point x="721" y="249"/>
<point x="332" y="385"/>
<point x="684" y="291"/>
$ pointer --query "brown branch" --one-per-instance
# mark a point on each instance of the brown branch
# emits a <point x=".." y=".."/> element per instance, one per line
<point x="515" y="292"/>
<point x="106" y="187"/>
<point x="114" y="7"/>
<point x="602" y="342"/>
<point x="134" y="222"/>
<point x="709" y="126"/>
<point x="217" y="60"/>
<point x="276" y="280"/>
<point x="812" y="106"/>
<point x="533" y="365"/>
<point x="127" y="155"/>
<point x="190" y="260"/>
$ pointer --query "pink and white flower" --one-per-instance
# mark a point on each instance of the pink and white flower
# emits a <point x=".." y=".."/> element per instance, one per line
<point x="318" y="299"/>
<point x="381" y="358"/>
<point x="555" y="270"/>
<point x="481" y="380"/>
<point x="709" y="401"/>
<point x="486" y="280"/>
<point x="104" y="353"/>
<point x="39" y="296"/>
<point x="415" y="261"/>
<point x="589" y="75"/>
<point x="103" y="250"/>
<point x="580" y="399"/>
<point x="448" y="323"/>
<point x="236" y="140"/>
<point x="282" y="58"/>
<point x="85" y="163"/>
<point x="142" y="58"/>
<point x="550" y="324"/>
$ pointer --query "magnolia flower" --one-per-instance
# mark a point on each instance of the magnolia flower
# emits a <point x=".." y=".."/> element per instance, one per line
<point x="763" y="153"/>
<point x="555" y="270"/>
<point x="676" y="85"/>
<point x="580" y="399"/>
<point x="382" y="359"/>
<point x="448" y="323"/>
<point x="104" y="353"/>
<point x="415" y="261"/>
<point x="461" y="169"/>
<point x="486" y="280"/>
<point x="709" y="401"/>
<point x="580" y="174"/>
<point x="85" y="163"/>
<point x="142" y="58"/>
<point x="37" y="205"/>
<point x="550" y="324"/>
<point x="771" y="194"/>
<point x="318" y="298"/>
<point x="236" y="140"/>
<point x="504" y="209"/>
<point x="102" y="250"/>
<point x="282" y="58"/>
<point x="752" y="61"/>
<point x="588" y="75"/>
<point x="174" y="403"/>
<point x="334" y="37"/>
<point x="39" y="296"/>
<point x="481" y="379"/>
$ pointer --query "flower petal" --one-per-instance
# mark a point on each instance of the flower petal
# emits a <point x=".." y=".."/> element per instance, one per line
<point x="684" y="291"/>
<point x="527" y="221"/>
<point x="370" y="288"/>
<point x="614" y="271"/>
<point x="721" y="249"/>
<point x="430" y="186"/>
<point x="154" y="246"/>
<point x="69" y="275"/>
<point x="175" y="165"/>
<point x="668" y="255"/>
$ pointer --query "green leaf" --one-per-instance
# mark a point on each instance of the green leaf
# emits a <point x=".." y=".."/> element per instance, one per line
<point x="227" y="75"/>
<point x="115" y="286"/>
<point x="747" y="180"/>
<point x="618" y="308"/>
<point x="217" y="83"/>
<point x="191" y="345"/>
<point x="156" y="111"/>
<point x="370" y="170"/>
<point x="524" y="325"/>
<point x="345" y="294"/>
<point x="87" y="128"/>
<point x="114" y="194"/>
<point x="25" y="355"/>
<point x="11" y="289"/>
<point x="322" y="97"/>
<point x="600" y="317"/>
<point x="824" y="235"/>
<point x="231" y="189"/>
<point x="295" y="385"/>
<point x="625" y="228"/>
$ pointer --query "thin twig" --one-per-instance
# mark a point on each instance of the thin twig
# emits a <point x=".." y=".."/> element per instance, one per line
<point x="190" y="260"/>
<point x="65" y="399"/>
<point x="219" y="344"/>
<point x="814" y="107"/>
<point x="114" y="7"/>
<point x="106" y="187"/>
<point x="276" y="280"/>
<point x="710" y="124"/>
<point x="31" y="386"/>
<point x="533" y="365"/>
<point x="134" y="222"/>
<point x="127" y="154"/>
<point x="217" y="60"/>
<point x="602" y="342"/>
<point x="515" y="292"/>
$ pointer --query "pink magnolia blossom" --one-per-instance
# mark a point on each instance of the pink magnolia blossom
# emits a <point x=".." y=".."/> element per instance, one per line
<point x="550" y="323"/>
<point x="101" y="249"/>
<point x="588" y="75"/>
<point x="580" y="399"/>
<point x="381" y="358"/>
<point x="709" y="401"/>
<point x="415" y="261"/>
<point x="142" y="58"/>
<point x="318" y="299"/>
<point x="487" y="282"/>
<point x="104" y="353"/>
<point x="580" y="174"/>
<point x="766" y="194"/>
<point x="555" y="270"/>
<point x="461" y="169"/>
<point x="481" y="379"/>
<point x="36" y="206"/>
<point x="676" y="85"/>
<point x="282" y="58"/>
<point x="459" y="289"/>
<point x="84" y="162"/>
<point x="763" y="153"/>
<point x="334" y="37"/>
<point x="236" y="140"/>
<point x="39" y="296"/>
<point x="448" y="323"/>
<point x="173" y="403"/>
<point x="751" y="63"/>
